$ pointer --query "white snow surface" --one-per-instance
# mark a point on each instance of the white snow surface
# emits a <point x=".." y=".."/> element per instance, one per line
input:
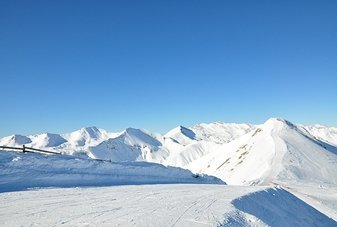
<point x="324" y="133"/>
<point x="275" y="152"/>
<point x="220" y="132"/>
<point x="22" y="171"/>
<point x="181" y="135"/>
<point x="159" y="205"/>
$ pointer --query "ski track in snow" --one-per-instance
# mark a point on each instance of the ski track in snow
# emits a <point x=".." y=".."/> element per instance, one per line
<point x="158" y="205"/>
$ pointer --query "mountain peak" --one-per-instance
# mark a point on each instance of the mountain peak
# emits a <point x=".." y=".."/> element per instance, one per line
<point x="275" y="119"/>
<point x="15" y="140"/>
<point x="278" y="121"/>
<point x="133" y="131"/>
<point x="137" y="136"/>
<point x="19" y="139"/>
<point x="92" y="132"/>
<point x="90" y="129"/>
<point x="181" y="130"/>
<point x="182" y="135"/>
<point x="48" y="140"/>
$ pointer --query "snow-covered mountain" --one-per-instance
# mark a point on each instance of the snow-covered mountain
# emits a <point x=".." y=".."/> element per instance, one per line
<point x="15" y="140"/>
<point x="323" y="133"/>
<point x="182" y="135"/>
<point x="130" y="145"/>
<point x="82" y="139"/>
<point x="70" y="143"/>
<point x="220" y="132"/>
<point x="276" y="151"/>
<point x="47" y="140"/>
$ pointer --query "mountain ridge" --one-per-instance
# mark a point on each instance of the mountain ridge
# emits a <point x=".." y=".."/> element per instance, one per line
<point x="242" y="154"/>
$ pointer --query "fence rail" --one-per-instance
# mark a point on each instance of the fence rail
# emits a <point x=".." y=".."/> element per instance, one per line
<point x="25" y="149"/>
<point x="11" y="148"/>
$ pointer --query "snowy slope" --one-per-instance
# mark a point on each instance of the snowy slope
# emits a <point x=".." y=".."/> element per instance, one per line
<point x="220" y="132"/>
<point x="181" y="135"/>
<point x="47" y="140"/>
<point x="323" y="133"/>
<point x="187" y="145"/>
<point x="278" y="207"/>
<point x="159" y="205"/>
<point x="86" y="136"/>
<point x="321" y="198"/>
<point x="21" y="171"/>
<point x="15" y="140"/>
<point x="186" y="155"/>
<point x="275" y="152"/>
<point x="131" y="145"/>
<point x="82" y="139"/>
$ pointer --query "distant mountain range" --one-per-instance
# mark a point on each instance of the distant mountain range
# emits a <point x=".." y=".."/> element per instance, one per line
<point x="276" y="152"/>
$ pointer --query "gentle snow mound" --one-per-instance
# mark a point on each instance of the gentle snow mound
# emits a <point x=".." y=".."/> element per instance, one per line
<point x="21" y="171"/>
<point x="277" y="207"/>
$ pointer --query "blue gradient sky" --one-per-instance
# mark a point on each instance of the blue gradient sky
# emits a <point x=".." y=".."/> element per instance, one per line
<point x="159" y="64"/>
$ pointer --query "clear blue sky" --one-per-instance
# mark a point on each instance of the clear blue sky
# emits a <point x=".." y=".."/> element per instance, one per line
<point x="158" y="64"/>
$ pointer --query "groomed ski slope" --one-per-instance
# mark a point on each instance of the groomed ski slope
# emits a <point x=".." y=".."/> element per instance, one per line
<point x="159" y="205"/>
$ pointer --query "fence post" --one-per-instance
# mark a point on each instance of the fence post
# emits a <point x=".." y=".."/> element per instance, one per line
<point x="23" y="148"/>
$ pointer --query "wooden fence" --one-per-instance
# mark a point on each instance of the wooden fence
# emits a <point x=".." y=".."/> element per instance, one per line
<point x="25" y="149"/>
